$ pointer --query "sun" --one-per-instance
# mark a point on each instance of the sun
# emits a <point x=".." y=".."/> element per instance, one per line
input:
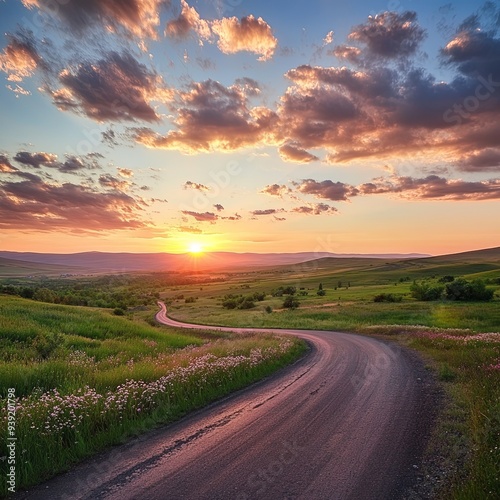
<point x="195" y="248"/>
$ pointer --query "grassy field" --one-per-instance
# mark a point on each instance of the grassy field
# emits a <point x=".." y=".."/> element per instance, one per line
<point x="84" y="379"/>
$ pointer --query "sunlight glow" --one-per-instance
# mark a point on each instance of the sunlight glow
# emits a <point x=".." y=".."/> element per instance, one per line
<point x="195" y="248"/>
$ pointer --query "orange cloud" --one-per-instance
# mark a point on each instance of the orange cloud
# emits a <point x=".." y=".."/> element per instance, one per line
<point x="248" y="34"/>
<point x="212" y="117"/>
<point x="188" y="21"/>
<point x="19" y="59"/>
<point x="139" y="18"/>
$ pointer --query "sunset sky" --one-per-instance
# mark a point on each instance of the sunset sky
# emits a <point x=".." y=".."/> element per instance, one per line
<point x="249" y="126"/>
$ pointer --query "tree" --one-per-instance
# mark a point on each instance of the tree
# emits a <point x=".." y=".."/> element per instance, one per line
<point x="320" y="291"/>
<point x="461" y="289"/>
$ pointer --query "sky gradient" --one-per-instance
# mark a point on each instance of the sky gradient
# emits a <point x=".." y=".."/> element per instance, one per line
<point x="146" y="126"/>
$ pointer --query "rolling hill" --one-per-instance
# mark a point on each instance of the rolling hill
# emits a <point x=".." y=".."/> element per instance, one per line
<point x="127" y="262"/>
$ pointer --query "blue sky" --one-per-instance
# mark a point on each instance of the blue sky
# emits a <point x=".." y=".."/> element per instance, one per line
<point x="249" y="126"/>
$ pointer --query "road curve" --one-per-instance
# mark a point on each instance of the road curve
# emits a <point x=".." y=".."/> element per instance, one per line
<point x="345" y="422"/>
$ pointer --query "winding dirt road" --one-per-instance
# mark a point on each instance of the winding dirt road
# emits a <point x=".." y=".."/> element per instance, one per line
<point x="347" y="421"/>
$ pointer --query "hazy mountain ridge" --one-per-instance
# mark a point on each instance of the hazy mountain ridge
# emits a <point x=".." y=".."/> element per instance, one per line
<point x="25" y="263"/>
<point x="123" y="262"/>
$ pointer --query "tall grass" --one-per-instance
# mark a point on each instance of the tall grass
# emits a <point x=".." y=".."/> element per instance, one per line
<point x="469" y="366"/>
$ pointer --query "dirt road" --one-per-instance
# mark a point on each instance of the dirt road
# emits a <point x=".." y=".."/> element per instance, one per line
<point x="348" y="421"/>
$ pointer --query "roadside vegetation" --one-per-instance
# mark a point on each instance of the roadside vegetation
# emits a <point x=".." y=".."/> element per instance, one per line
<point x="85" y="379"/>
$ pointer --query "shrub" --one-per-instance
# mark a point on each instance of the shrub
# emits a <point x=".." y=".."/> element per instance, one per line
<point x="461" y="289"/>
<point x="190" y="300"/>
<point x="387" y="297"/>
<point x="446" y="279"/>
<point x="426" y="291"/>
<point x="238" y="302"/>
<point x="119" y="311"/>
<point x="284" y="290"/>
<point x="291" y="302"/>
<point x="268" y="309"/>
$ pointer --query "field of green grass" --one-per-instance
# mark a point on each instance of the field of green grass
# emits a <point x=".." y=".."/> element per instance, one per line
<point x="85" y="379"/>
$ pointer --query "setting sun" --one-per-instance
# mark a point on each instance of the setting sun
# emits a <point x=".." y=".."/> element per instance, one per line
<point x="195" y="248"/>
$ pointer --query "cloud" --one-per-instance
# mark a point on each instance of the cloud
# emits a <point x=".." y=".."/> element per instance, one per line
<point x="335" y="191"/>
<point x="126" y="172"/>
<point x="36" y="160"/>
<point x="248" y="34"/>
<point x="39" y="206"/>
<point x="315" y="209"/>
<point x="434" y="187"/>
<point x="212" y="117"/>
<point x="196" y="186"/>
<point x="187" y="22"/>
<point x="109" y="137"/>
<point x="346" y="52"/>
<point x="268" y="211"/>
<point x="201" y="217"/>
<point x="134" y="17"/>
<point x="20" y="57"/>
<point x="289" y="152"/>
<point x="390" y="35"/>
<point x="484" y="160"/>
<point x="5" y="165"/>
<point x="474" y="52"/>
<point x="114" y="88"/>
<point x="109" y="181"/>
<point x="72" y="164"/>
<point x="232" y="217"/>
<point x="189" y="229"/>
<point x="218" y="207"/>
<point x="276" y="190"/>
<point x="231" y="35"/>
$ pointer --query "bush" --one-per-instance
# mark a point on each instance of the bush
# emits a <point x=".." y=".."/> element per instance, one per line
<point x="291" y="302"/>
<point x="268" y="309"/>
<point x="119" y="311"/>
<point x="190" y="300"/>
<point x="461" y="289"/>
<point x="321" y="293"/>
<point x="387" y="297"/>
<point x="426" y="291"/>
<point x="284" y="290"/>
<point x="446" y="279"/>
<point x="238" y="302"/>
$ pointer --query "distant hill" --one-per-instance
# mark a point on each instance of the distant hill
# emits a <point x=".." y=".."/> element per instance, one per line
<point x="474" y="264"/>
<point x="14" y="267"/>
<point x="125" y="262"/>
